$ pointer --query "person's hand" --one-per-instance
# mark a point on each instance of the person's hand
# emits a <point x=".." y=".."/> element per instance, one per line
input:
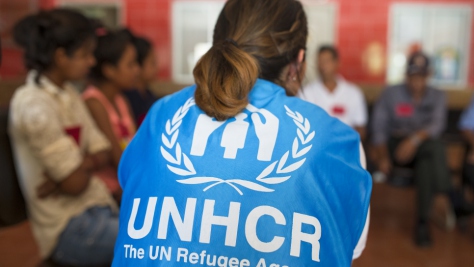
<point x="48" y="188"/>
<point x="405" y="151"/>
<point x="385" y="166"/>
<point x="88" y="163"/>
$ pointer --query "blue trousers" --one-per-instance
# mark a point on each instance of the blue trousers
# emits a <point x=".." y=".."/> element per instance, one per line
<point x="88" y="239"/>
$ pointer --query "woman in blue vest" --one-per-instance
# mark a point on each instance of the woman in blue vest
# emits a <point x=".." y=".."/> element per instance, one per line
<point x="235" y="171"/>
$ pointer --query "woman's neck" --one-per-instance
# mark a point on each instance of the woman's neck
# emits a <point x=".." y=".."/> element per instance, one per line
<point x="141" y="86"/>
<point x="56" y="78"/>
<point x="330" y="83"/>
<point x="418" y="97"/>
<point x="109" y="90"/>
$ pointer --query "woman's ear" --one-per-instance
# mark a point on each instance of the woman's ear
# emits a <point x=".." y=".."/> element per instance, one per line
<point x="299" y="68"/>
<point x="293" y="74"/>
<point x="301" y="56"/>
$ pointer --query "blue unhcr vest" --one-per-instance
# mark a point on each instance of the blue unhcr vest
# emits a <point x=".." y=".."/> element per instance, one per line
<point x="280" y="184"/>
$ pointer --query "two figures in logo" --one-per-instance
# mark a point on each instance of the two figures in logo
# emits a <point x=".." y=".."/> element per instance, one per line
<point x="235" y="133"/>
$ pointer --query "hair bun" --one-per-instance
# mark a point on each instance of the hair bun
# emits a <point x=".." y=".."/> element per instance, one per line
<point x="45" y="21"/>
<point x="23" y="30"/>
<point x="42" y="34"/>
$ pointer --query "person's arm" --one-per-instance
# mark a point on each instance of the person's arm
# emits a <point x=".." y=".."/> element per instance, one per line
<point x="101" y="118"/>
<point x="360" y="114"/>
<point x="380" y="131"/>
<point x="363" y="237"/>
<point x="384" y="162"/>
<point x="408" y="147"/>
<point x="97" y="145"/>
<point x="362" y="132"/>
<point x="70" y="186"/>
<point x="438" y="121"/>
<point x="59" y="154"/>
<point x="78" y="181"/>
<point x="131" y="113"/>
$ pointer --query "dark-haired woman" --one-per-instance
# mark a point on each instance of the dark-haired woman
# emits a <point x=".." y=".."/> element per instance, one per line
<point x="140" y="97"/>
<point x="234" y="171"/>
<point x="115" y="71"/>
<point x="57" y="144"/>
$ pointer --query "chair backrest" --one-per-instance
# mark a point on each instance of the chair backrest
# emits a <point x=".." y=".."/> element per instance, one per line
<point x="12" y="203"/>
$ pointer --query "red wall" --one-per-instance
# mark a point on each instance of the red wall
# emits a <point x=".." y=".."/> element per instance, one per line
<point x="10" y="11"/>
<point x="12" y="61"/>
<point x="152" y="18"/>
<point x="360" y="23"/>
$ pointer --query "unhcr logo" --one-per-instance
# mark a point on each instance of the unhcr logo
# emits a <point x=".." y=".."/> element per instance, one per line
<point x="233" y="139"/>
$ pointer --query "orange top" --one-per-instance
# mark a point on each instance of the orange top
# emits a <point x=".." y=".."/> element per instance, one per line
<point x="123" y="127"/>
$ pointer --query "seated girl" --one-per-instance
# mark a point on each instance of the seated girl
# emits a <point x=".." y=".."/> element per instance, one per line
<point x="140" y="97"/>
<point x="115" y="71"/>
<point x="57" y="145"/>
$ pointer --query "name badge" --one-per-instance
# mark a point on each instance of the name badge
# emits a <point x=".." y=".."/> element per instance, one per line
<point x="338" y="110"/>
<point x="404" y="110"/>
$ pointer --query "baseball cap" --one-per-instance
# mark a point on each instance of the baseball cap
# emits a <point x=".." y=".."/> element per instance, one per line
<point x="418" y="63"/>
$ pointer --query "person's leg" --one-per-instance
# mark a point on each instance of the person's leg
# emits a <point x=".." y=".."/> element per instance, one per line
<point x="431" y="177"/>
<point x="432" y="174"/>
<point x="423" y="163"/>
<point x="402" y="173"/>
<point x="442" y="179"/>
<point x="88" y="240"/>
<point x="392" y="145"/>
<point x="424" y="180"/>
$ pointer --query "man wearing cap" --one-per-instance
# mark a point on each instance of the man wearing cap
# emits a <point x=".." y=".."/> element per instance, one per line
<point x="408" y="120"/>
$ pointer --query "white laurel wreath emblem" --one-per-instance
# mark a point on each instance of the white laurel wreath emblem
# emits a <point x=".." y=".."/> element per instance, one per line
<point x="180" y="164"/>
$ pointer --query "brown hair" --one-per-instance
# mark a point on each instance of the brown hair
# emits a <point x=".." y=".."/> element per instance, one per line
<point x="252" y="39"/>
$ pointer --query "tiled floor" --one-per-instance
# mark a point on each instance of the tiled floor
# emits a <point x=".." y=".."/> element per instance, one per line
<point x="390" y="238"/>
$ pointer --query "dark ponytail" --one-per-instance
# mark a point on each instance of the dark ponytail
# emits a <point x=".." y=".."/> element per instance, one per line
<point x="42" y="34"/>
<point x="252" y="39"/>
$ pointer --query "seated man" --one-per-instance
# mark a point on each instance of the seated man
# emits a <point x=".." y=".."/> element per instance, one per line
<point x="408" y="120"/>
<point x="335" y="95"/>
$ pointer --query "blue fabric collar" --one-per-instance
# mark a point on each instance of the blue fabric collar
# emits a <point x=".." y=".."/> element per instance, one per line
<point x="265" y="89"/>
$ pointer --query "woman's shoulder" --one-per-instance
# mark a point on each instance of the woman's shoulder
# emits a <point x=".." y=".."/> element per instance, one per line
<point x="328" y="127"/>
<point x="176" y="99"/>
<point x="28" y="95"/>
<point x="92" y="92"/>
<point x="312" y="111"/>
<point x="166" y="107"/>
<point x="183" y="94"/>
